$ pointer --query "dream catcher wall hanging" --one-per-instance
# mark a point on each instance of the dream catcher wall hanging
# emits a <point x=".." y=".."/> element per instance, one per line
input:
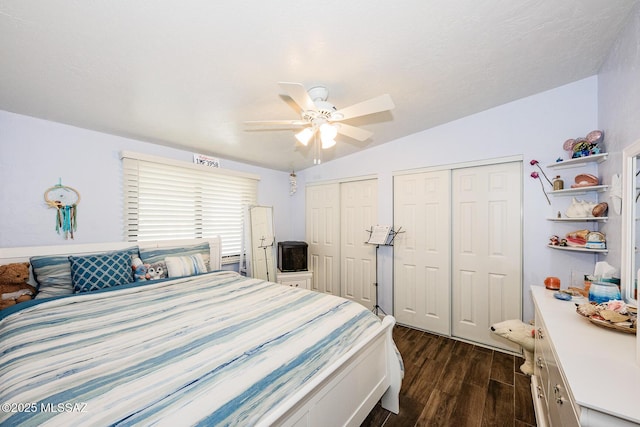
<point x="65" y="200"/>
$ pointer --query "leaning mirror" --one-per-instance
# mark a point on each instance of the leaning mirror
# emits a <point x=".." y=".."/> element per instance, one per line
<point x="630" y="262"/>
<point x="262" y="243"/>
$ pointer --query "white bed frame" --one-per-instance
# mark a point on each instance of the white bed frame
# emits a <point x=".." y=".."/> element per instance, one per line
<point x="343" y="394"/>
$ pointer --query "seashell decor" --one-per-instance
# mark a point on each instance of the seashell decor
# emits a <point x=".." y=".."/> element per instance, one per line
<point x="580" y="209"/>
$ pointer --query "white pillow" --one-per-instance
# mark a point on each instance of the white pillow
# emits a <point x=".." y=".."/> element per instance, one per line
<point x="180" y="266"/>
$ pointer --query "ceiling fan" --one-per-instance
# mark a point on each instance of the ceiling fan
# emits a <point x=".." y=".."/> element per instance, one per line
<point x="321" y="117"/>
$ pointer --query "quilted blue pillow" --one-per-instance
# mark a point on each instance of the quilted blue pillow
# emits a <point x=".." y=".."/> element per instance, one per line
<point x="100" y="271"/>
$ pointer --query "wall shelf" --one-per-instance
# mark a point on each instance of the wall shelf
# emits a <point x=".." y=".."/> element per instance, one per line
<point x="593" y="189"/>
<point x="579" y="161"/>
<point x="574" y="249"/>
<point x="581" y="190"/>
<point x="588" y="219"/>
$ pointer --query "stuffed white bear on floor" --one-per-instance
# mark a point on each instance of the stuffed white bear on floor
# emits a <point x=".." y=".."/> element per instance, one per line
<point x="520" y="333"/>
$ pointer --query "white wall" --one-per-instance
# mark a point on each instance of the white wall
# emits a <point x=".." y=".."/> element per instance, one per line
<point x="533" y="127"/>
<point x="619" y="112"/>
<point x="35" y="153"/>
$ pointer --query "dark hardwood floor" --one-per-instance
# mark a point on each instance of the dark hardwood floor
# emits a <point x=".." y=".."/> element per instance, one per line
<point x="453" y="383"/>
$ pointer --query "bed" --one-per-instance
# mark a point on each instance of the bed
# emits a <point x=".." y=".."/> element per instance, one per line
<point x="213" y="348"/>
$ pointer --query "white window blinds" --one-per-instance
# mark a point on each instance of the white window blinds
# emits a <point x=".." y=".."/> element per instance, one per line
<point x="166" y="199"/>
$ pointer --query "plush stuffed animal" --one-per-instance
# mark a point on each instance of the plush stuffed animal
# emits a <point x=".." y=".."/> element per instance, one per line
<point x="141" y="272"/>
<point x="157" y="271"/>
<point x="13" y="284"/>
<point x="520" y="333"/>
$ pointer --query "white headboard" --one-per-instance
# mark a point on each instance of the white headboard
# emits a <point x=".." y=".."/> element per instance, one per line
<point x="9" y="255"/>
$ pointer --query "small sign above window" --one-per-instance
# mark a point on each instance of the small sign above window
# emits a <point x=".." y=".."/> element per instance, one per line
<point x="201" y="159"/>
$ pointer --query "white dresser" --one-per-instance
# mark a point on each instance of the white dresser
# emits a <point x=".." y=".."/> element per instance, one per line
<point x="297" y="279"/>
<point x="585" y="375"/>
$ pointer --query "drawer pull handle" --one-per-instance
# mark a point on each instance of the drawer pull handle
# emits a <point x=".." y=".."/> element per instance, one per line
<point x="540" y="334"/>
<point x="540" y="364"/>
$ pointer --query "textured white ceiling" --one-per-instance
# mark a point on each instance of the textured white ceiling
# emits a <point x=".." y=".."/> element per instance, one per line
<point x="188" y="73"/>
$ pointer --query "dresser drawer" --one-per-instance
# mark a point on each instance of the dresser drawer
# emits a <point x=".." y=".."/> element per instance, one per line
<point x="294" y="283"/>
<point x="295" y="279"/>
<point x="562" y="409"/>
<point x="539" y="401"/>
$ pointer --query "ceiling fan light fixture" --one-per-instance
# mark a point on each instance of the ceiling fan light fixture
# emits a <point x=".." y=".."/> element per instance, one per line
<point x="318" y="116"/>
<point x="327" y="135"/>
<point x="304" y="136"/>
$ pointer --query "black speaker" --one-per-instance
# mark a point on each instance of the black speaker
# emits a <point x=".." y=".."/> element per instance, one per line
<point x="292" y="256"/>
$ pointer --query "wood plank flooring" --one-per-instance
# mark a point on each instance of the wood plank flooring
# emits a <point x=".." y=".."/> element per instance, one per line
<point x="453" y="383"/>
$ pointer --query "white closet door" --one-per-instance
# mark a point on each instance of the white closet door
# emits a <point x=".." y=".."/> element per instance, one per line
<point x="323" y="236"/>
<point x="487" y="247"/>
<point x="422" y="291"/>
<point x="358" y="212"/>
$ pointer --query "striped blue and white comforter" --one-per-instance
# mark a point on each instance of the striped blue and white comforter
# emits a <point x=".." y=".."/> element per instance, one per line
<point x="215" y="349"/>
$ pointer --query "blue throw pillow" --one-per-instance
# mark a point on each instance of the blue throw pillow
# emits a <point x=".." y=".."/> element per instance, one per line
<point x="93" y="272"/>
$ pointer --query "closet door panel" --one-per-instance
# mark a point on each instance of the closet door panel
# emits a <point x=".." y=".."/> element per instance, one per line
<point x="323" y="236"/>
<point x="421" y="253"/>
<point x="359" y="212"/>
<point x="486" y="235"/>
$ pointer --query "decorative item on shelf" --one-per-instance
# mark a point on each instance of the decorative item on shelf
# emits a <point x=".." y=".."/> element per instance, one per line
<point x="580" y="209"/>
<point x="535" y="175"/>
<point x="65" y="200"/>
<point x="596" y="240"/>
<point x="558" y="183"/>
<point x="557" y="241"/>
<point x="536" y="163"/>
<point x="577" y="238"/>
<point x="293" y="183"/>
<point x="600" y="209"/>
<point x="585" y="180"/>
<point x="584" y="146"/>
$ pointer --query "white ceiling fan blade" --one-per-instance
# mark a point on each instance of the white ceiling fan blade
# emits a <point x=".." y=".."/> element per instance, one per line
<point x="373" y="105"/>
<point x="299" y="94"/>
<point x="353" y="132"/>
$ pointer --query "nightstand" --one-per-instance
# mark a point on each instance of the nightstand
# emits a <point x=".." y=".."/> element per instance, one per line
<point x="296" y="279"/>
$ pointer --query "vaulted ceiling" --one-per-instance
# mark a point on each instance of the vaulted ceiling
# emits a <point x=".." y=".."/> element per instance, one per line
<point x="188" y="74"/>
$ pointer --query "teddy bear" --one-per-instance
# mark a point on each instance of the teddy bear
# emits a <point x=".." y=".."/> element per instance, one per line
<point x="13" y="284"/>
<point x="517" y="331"/>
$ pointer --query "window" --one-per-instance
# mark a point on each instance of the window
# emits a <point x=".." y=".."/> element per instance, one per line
<point x="167" y="199"/>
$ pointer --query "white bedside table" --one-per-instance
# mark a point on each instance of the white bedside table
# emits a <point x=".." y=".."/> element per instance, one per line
<point x="297" y="279"/>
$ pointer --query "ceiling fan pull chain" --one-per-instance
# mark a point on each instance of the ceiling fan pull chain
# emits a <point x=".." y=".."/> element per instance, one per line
<point x="318" y="152"/>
